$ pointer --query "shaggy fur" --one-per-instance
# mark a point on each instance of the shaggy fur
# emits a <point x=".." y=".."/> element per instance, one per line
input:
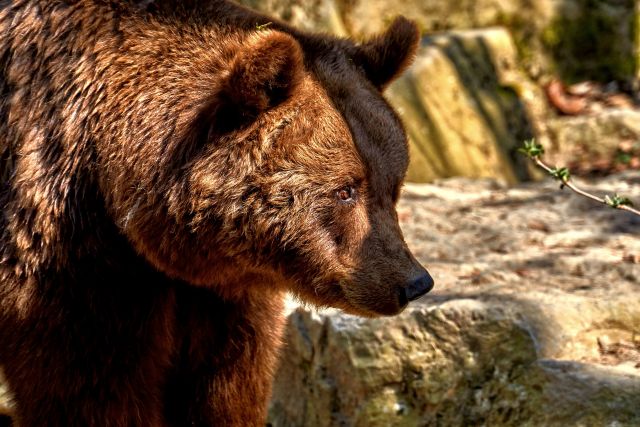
<point x="167" y="175"/>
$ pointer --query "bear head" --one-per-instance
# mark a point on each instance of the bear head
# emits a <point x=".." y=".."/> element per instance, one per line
<point x="284" y="167"/>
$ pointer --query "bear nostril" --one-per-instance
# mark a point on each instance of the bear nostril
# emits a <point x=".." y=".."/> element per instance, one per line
<point x="418" y="287"/>
<point x="402" y="297"/>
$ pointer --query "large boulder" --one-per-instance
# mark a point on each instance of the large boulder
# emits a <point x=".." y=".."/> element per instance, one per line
<point x="462" y="361"/>
<point x="466" y="107"/>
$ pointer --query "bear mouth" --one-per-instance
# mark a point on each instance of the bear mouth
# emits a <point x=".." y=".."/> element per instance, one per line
<point x="371" y="306"/>
<point x="359" y="310"/>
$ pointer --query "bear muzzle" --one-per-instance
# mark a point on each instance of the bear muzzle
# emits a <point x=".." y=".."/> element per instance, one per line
<point x="415" y="288"/>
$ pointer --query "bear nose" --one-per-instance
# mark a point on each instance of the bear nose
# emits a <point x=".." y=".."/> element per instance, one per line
<point x="418" y="287"/>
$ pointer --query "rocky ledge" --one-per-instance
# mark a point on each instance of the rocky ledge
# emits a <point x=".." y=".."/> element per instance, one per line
<point x="535" y="319"/>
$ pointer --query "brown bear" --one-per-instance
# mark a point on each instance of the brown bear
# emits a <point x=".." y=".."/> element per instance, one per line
<point x="168" y="174"/>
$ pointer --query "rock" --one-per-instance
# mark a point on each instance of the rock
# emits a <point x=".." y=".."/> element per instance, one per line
<point x="462" y="104"/>
<point x="534" y="319"/>
<point x="412" y="370"/>
<point x="457" y="362"/>
<point x="364" y="18"/>
<point x="592" y="138"/>
<point x="314" y="15"/>
<point x="582" y="394"/>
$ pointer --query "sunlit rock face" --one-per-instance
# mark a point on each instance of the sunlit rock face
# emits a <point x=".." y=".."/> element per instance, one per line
<point x="465" y="104"/>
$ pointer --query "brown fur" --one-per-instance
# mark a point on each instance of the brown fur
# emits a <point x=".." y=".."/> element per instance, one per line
<point x="166" y="177"/>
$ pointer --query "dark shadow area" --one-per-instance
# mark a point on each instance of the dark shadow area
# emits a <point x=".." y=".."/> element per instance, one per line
<point x="593" y="40"/>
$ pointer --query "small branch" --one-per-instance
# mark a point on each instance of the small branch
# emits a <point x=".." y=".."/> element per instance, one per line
<point x="533" y="150"/>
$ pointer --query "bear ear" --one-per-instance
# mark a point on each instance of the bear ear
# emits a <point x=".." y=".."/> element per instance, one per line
<point x="261" y="76"/>
<point x="387" y="55"/>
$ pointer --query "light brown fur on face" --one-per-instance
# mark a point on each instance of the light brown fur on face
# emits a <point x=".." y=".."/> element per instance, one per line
<point x="167" y="174"/>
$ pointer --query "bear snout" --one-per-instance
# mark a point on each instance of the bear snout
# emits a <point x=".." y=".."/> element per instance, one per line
<point x="415" y="288"/>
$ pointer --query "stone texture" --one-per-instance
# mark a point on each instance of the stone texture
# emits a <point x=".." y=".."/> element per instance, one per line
<point x="534" y="287"/>
<point x="364" y="18"/>
<point x="412" y="370"/>
<point x="462" y="104"/>
<point x="313" y="15"/>
<point x="457" y="362"/>
<point x="592" y="137"/>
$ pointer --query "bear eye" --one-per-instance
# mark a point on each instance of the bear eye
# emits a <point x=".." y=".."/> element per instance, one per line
<point x="346" y="194"/>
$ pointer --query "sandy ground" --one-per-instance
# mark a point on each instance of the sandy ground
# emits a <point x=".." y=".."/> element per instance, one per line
<point x="478" y="237"/>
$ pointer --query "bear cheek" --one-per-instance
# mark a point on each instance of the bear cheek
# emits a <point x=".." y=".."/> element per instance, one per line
<point x="365" y="276"/>
<point x="381" y="265"/>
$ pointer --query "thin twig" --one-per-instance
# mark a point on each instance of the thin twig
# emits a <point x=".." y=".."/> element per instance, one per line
<point x="533" y="150"/>
<point x="569" y="184"/>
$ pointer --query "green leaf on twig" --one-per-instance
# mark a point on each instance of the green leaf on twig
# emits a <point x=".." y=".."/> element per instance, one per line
<point x="616" y="201"/>
<point x="561" y="174"/>
<point x="532" y="149"/>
